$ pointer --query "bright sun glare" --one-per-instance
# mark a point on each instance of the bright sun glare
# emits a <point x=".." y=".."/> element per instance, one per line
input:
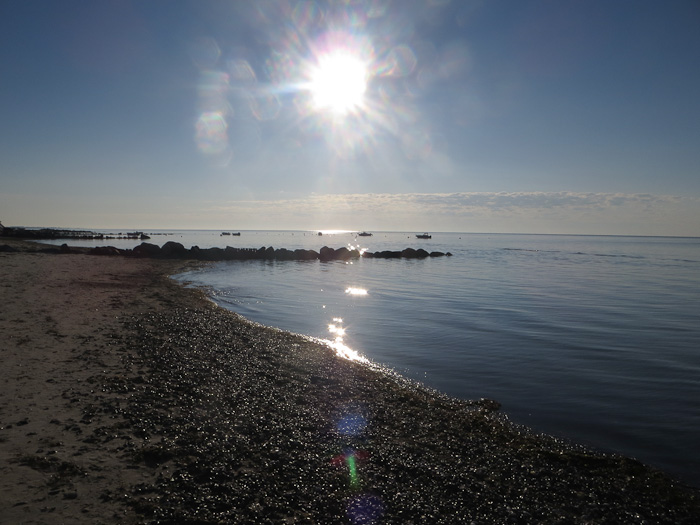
<point x="339" y="82"/>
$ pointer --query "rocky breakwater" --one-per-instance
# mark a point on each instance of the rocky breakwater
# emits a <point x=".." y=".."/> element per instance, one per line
<point x="175" y="250"/>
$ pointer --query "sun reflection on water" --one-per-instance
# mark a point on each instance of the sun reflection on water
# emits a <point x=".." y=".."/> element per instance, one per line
<point x="333" y="232"/>
<point x="355" y="291"/>
<point x="352" y="247"/>
<point x="339" y="331"/>
<point x="338" y="345"/>
<point x="344" y="351"/>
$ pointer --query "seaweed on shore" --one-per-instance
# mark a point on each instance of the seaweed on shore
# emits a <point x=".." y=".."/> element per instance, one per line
<point x="60" y="471"/>
<point x="240" y="423"/>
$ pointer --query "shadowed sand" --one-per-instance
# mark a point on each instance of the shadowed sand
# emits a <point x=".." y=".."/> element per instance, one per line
<point x="125" y="398"/>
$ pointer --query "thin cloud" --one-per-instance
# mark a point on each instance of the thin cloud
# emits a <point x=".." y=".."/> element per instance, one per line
<point x="527" y="212"/>
<point x="489" y="212"/>
<point x="462" y="202"/>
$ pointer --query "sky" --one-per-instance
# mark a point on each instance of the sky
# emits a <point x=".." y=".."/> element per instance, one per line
<point x="561" y="116"/>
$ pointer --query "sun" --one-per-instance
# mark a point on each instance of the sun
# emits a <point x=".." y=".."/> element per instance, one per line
<point x="338" y="83"/>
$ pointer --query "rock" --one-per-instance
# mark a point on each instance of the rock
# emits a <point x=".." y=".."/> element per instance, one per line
<point x="173" y="249"/>
<point x="342" y="253"/>
<point x="326" y="253"/>
<point x="105" y="250"/>
<point x="233" y="254"/>
<point x="386" y="254"/>
<point x="283" y="254"/>
<point x="305" y="255"/>
<point x="211" y="254"/>
<point x="146" y="249"/>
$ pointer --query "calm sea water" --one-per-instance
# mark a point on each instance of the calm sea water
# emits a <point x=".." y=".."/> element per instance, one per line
<point x="594" y="339"/>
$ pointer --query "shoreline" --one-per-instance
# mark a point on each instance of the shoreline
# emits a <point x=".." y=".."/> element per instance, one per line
<point x="129" y="398"/>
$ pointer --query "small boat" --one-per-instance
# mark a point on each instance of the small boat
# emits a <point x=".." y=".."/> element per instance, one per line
<point x="225" y="233"/>
<point x="364" y="234"/>
<point x="424" y="236"/>
<point x="237" y="234"/>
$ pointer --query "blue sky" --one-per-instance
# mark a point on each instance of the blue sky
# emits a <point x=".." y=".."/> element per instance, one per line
<point x="490" y="116"/>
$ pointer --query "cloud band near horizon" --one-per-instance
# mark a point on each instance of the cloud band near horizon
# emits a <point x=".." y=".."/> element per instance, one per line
<point x="488" y="212"/>
<point x="526" y="212"/>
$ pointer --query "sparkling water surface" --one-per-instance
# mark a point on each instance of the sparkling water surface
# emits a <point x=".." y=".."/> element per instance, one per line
<point x="595" y="339"/>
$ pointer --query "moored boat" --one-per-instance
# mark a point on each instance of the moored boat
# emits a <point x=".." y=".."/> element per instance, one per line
<point x="424" y="236"/>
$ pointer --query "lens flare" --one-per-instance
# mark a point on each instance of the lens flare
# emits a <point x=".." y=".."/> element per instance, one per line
<point x="365" y="509"/>
<point x="351" y="459"/>
<point x="352" y="424"/>
<point x="339" y="82"/>
<point x="211" y="133"/>
<point x="346" y="72"/>
<point x="352" y="466"/>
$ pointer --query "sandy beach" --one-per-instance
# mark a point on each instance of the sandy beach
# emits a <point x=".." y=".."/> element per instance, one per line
<point x="126" y="398"/>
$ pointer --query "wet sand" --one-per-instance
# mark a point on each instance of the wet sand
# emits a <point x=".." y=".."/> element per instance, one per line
<point x="126" y="398"/>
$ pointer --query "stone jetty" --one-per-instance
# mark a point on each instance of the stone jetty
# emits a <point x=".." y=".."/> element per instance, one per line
<point x="175" y="250"/>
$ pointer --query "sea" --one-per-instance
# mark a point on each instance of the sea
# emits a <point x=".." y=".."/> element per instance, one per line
<point x="592" y="339"/>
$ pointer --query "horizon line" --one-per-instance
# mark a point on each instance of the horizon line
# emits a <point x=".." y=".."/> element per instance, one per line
<point x="345" y="231"/>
